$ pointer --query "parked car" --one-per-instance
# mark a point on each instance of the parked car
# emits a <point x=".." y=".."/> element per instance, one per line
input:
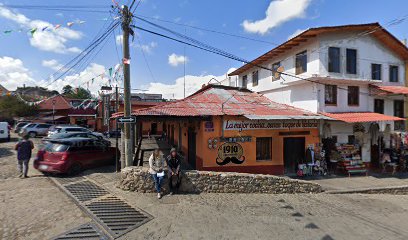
<point x="112" y="133"/>
<point x="4" y="131"/>
<point x="19" y="125"/>
<point x="35" y="129"/>
<point x="72" y="155"/>
<point x="90" y="135"/>
<point x="70" y="128"/>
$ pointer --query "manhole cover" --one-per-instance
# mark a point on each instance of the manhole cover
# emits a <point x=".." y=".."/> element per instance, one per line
<point x="116" y="215"/>
<point x="85" y="191"/>
<point x="86" y="231"/>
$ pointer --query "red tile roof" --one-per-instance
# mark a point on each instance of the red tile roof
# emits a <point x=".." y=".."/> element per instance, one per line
<point x="374" y="29"/>
<point x="216" y="100"/>
<point x="393" y="89"/>
<point x="60" y="103"/>
<point x="354" y="117"/>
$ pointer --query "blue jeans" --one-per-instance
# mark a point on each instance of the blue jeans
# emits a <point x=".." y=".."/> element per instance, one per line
<point x="157" y="182"/>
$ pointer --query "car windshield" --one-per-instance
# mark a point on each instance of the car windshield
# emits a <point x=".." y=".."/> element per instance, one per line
<point x="75" y="129"/>
<point x="60" y="135"/>
<point x="56" y="147"/>
<point x="30" y="125"/>
<point x="21" y="124"/>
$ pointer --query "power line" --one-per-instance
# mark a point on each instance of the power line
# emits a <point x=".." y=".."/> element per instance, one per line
<point x="144" y="57"/>
<point x="85" y="53"/>
<point x="209" y="30"/>
<point x="238" y="59"/>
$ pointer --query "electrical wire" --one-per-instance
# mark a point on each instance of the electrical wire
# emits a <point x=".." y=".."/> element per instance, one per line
<point x="84" y="53"/>
<point x="208" y="30"/>
<point x="144" y="57"/>
<point x="238" y="59"/>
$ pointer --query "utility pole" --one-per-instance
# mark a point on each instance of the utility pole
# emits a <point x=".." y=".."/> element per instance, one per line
<point x="117" y="163"/>
<point x="126" y="19"/>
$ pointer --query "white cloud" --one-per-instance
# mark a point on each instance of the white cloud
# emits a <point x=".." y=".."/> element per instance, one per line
<point x="49" y="40"/>
<point x="147" y="48"/>
<point x="53" y="64"/>
<point x="277" y="13"/>
<point x="175" y="60"/>
<point x="176" y="89"/>
<point x="82" y="79"/>
<point x="13" y="74"/>
<point x="295" y="33"/>
<point x="119" y="39"/>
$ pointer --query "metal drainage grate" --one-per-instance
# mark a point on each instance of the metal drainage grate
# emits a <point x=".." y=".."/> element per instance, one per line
<point x="86" y="190"/>
<point x="86" y="231"/>
<point x="116" y="215"/>
<point x="68" y="180"/>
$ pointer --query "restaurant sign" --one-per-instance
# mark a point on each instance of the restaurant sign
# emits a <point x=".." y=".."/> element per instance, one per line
<point x="271" y="124"/>
<point x="230" y="153"/>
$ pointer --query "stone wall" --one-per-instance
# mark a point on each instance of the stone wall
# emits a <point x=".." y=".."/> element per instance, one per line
<point x="138" y="179"/>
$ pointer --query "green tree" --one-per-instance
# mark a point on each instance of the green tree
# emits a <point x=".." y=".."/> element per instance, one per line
<point x="67" y="90"/>
<point x="80" y="93"/>
<point x="11" y="106"/>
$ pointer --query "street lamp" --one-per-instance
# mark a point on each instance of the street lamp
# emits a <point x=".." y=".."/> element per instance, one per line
<point x="53" y="111"/>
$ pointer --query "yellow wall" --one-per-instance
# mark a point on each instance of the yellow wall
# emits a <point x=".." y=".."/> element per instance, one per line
<point x="209" y="155"/>
<point x="206" y="157"/>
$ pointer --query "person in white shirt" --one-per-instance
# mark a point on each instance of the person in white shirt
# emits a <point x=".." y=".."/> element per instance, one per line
<point x="156" y="164"/>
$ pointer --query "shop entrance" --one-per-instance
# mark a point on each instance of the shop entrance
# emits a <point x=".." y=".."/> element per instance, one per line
<point x="153" y="129"/>
<point x="293" y="153"/>
<point x="192" y="148"/>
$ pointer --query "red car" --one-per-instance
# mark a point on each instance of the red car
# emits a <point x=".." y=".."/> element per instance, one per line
<point x="73" y="155"/>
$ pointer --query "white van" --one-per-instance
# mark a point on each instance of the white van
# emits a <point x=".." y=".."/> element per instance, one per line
<point x="4" y="131"/>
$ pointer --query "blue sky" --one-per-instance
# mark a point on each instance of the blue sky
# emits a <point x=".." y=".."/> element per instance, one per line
<point x="31" y="61"/>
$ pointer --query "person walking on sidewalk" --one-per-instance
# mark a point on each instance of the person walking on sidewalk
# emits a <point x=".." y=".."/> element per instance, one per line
<point x="156" y="164"/>
<point x="174" y="164"/>
<point x="24" y="149"/>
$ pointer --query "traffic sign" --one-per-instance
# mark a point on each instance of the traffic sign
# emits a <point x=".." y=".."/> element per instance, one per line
<point x="130" y="119"/>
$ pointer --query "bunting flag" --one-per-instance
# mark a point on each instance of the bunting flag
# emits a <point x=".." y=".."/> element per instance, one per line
<point x="69" y="24"/>
<point x="110" y="72"/>
<point x="80" y="22"/>
<point x="32" y="31"/>
<point x="115" y="3"/>
<point x="57" y="26"/>
<point x="44" y="28"/>
<point x="93" y="79"/>
<point x="126" y="61"/>
<point x="8" y="31"/>
<point x="87" y="85"/>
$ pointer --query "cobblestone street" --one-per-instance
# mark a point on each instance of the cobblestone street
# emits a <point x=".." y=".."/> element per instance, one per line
<point x="36" y="208"/>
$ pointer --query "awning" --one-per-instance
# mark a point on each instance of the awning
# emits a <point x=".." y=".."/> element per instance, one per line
<point x="392" y="89"/>
<point x="354" y="117"/>
<point x="284" y="117"/>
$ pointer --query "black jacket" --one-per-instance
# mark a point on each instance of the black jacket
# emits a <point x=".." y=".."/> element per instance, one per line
<point x="173" y="163"/>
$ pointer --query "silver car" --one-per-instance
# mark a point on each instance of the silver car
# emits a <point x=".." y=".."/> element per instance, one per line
<point x="69" y="129"/>
<point x="35" y="129"/>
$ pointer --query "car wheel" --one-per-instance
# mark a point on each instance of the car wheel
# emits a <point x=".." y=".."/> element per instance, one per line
<point x="32" y="134"/>
<point x="74" y="169"/>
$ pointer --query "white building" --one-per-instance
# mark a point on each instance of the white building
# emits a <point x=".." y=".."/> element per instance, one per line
<point x="349" y="73"/>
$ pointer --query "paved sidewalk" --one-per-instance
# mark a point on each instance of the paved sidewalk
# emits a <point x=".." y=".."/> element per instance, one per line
<point x="362" y="182"/>
<point x="32" y="208"/>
